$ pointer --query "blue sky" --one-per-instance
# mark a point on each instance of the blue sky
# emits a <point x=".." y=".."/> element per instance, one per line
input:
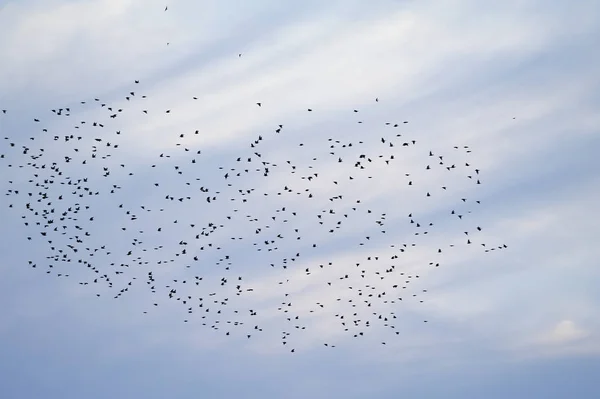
<point x="516" y="81"/>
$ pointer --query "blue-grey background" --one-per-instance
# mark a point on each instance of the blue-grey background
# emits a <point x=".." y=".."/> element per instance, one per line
<point x="517" y="81"/>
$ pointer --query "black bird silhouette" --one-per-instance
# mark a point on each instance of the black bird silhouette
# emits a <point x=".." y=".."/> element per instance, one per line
<point x="262" y="212"/>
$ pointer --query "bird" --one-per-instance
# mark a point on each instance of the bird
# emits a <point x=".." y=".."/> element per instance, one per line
<point x="277" y="200"/>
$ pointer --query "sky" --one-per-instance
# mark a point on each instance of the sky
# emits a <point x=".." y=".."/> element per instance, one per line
<point x="515" y="81"/>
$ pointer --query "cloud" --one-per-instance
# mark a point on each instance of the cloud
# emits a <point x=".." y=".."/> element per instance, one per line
<point x="564" y="332"/>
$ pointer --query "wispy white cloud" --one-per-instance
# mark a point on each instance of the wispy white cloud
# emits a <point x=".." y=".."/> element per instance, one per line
<point x="564" y="332"/>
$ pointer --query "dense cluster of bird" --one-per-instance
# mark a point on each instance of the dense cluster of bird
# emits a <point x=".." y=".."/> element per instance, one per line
<point x="262" y="223"/>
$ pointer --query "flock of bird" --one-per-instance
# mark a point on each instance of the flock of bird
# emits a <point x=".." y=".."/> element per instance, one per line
<point x="262" y="224"/>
